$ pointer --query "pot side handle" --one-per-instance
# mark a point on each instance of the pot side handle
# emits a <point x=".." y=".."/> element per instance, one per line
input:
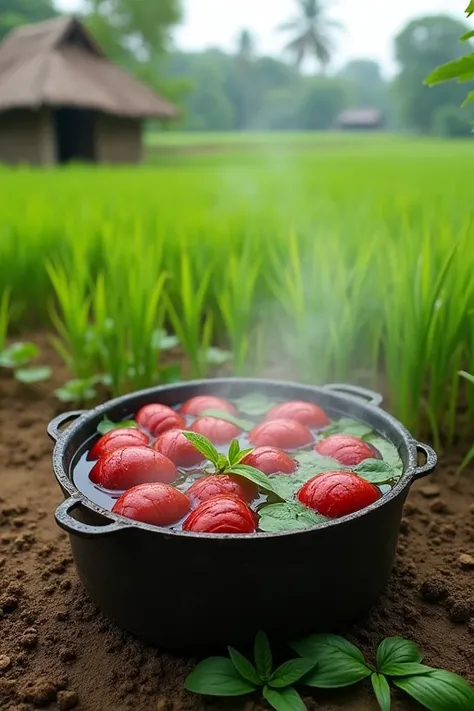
<point x="430" y="464"/>
<point x="54" y="427"/>
<point x="357" y="393"/>
<point x="77" y="528"/>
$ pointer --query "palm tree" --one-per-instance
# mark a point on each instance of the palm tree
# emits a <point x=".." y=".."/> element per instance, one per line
<point x="312" y="33"/>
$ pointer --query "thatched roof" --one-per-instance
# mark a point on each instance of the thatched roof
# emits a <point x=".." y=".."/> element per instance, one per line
<point x="57" y="63"/>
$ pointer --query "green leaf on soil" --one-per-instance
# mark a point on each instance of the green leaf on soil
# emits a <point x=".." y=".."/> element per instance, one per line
<point x="376" y="471"/>
<point x="217" y="676"/>
<point x="107" y="425"/>
<point x="396" y="650"/>
<point x="18" y="354"/>
<point x="291" y="672"/>
<point x="163" y="341"/>
<point x="284" y="699"/>
<point x="245" y="425"/>
<point x="254" y="404"/>
<point x="203" y="445"/>
<point x="346" y="426"/>
<point x="33" y="375"/>
<point x="381" y="691"/>
<point x="406" y="669"/>
<point x="216" y="356"/>
<point x="290" y="516"/>
<point x="244" y="667"/>
<point x="263" y="656"/>
<point x="339" y="663"/>
<point x="77" y="390"/>
<point x="439" y="691"/>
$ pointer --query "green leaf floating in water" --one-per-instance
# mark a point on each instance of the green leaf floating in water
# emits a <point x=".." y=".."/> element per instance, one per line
<point x="254" y="404"/>
<point x="388" y="451"/>
<point x="346" y="426"/>
<point x="376" y="471"/>
<point x="290" y="516"/>
<point x="107" y="425"/>
<point x="245" y="425"/>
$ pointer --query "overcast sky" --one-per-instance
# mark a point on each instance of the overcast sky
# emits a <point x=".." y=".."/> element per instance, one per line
<point x="370" y="24"/>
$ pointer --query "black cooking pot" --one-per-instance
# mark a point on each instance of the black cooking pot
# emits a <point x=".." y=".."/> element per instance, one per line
<point x="188" y="590"/>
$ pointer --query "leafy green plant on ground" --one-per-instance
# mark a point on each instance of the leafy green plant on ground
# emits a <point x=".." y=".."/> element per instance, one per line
<point x="18" y="358"/>
<point x="237" y="676"/>
<point x="460" y="69"/>
<point x="331" y="662"/>
<point x="399" y="661"/>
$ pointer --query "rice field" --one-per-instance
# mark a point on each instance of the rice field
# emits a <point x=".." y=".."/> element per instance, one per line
<point x="325" y="259"/>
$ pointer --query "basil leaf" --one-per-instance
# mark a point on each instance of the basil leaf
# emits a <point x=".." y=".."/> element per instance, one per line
<point x="254" y="404"/>
<point x="381" y="691"/>
<point x="245" y="668"/>
<point x="339" y="663"/>
<point x="33" y="375"/>
<point x="234" y="451"/>
<point x="254" y="475"/>
<point x="284" y="699"/>
<point x="291" y="672"/>
<point x="346" y="426"/>
<point x="263" y="656"/>
<point x="18" y="354"/>
<point x="203" y="445"/>
<point x="312" y="461"/>
<point x="288" y="517"/>
<point x="376" y="471"/>
<point x="406" y="669"/>
<point x="395" y="650"/>
<point x="107" y="425"/>
<point x="243" y="453"/>
<point x="388" y="451"/>
<point x="245" y="425"/>
<point x="217" y="676"/>
<point x="439" y="691"/>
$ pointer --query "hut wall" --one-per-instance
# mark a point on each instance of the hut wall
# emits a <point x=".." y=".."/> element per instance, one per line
<point x="26" y="137"/>
<point x="118" y="140"/>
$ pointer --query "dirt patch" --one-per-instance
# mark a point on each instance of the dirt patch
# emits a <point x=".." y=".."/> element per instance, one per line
<point x="58" y="651"/>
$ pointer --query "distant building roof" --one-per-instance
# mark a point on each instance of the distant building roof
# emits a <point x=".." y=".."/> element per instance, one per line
<point x="360" y="117"/>
<point x="57" y="63"/>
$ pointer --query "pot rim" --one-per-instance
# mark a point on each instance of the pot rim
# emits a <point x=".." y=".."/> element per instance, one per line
<point x="119" y="523"/>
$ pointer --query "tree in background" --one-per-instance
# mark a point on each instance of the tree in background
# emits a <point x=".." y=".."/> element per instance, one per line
<point x="14" y="13"/>
<point x="244" y="63"/>
<point x="422" y="45"/>
<point x="312" y="33"/>
<point x="322" y="100"/>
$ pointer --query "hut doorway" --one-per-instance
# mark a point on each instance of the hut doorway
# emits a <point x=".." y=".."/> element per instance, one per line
<point x="75" y="135"/>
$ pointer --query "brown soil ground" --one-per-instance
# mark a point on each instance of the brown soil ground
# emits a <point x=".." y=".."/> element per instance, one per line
<point x="58" y="651"/>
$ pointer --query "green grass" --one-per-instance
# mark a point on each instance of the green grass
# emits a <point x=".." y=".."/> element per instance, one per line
<point x="329" y="257"/>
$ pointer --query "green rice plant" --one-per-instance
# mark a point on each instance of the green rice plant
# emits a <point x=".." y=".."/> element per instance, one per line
<point x="191" y="322"/>
<point x="4" y="318"/>
<point x="238" y="305"/>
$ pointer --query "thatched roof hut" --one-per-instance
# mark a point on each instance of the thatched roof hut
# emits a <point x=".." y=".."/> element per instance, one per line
<point x="360" y="119"/>
<point x="61" y="99"/>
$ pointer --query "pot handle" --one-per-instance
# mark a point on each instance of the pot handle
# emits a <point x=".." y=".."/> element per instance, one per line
<point x="430" y="464"/>
<point x="72" y="526"/>
<point x="357" y="393"/>
<point x="54" y="427"/>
